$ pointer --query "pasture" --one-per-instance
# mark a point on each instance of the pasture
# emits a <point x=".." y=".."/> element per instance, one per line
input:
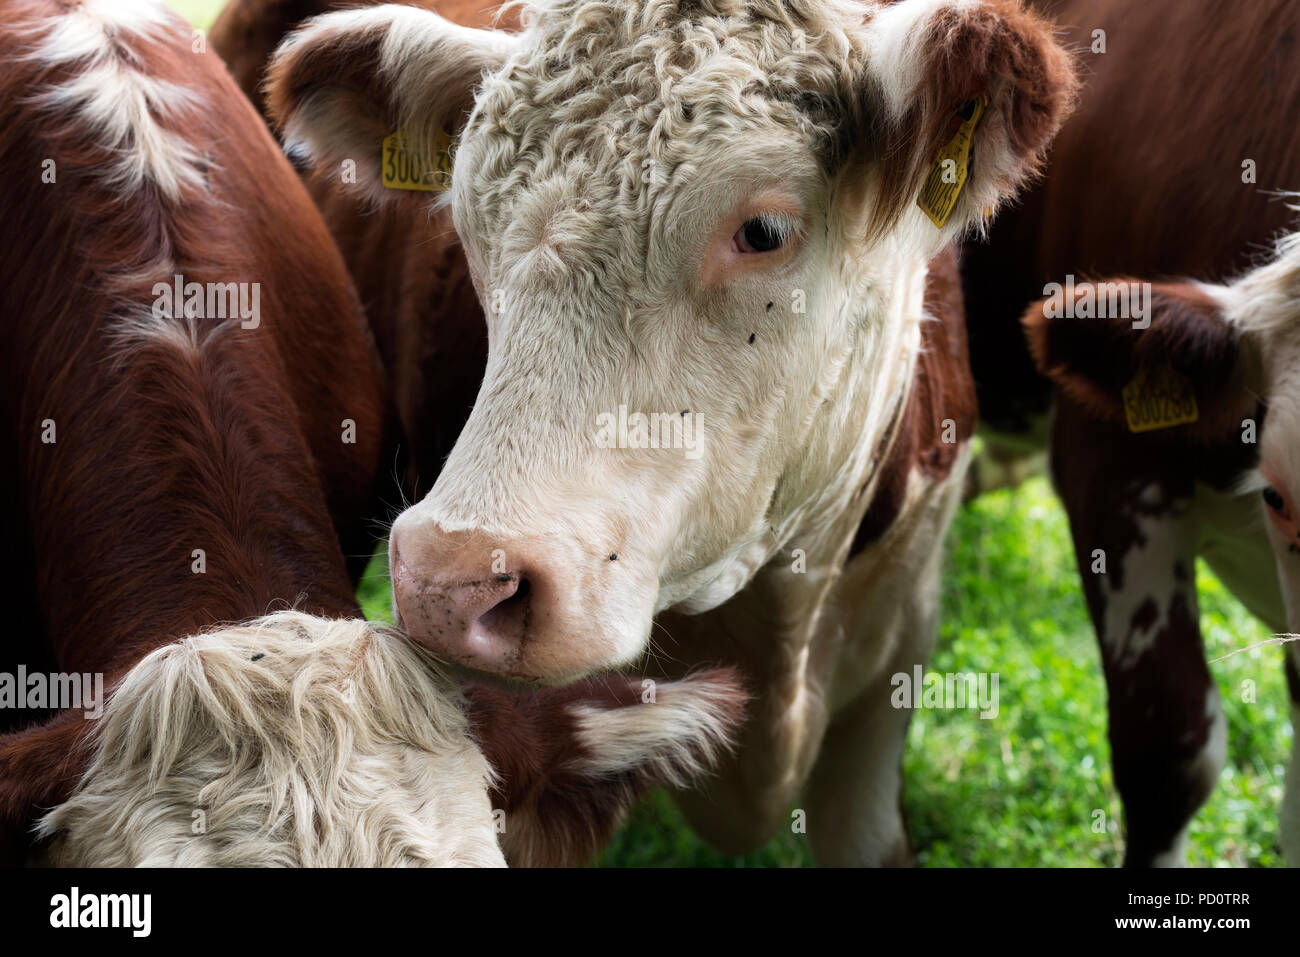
<point x="1031" y="786"/>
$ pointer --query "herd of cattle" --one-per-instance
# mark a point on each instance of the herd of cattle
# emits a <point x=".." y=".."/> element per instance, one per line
<point x="829" y="229"/>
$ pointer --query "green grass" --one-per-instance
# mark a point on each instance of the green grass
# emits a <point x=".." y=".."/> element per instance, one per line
<point x="1021" y="789"/>
<point x="200" y="13"/>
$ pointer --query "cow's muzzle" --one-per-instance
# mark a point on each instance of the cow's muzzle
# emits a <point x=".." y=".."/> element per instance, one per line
<point x="512" y="609"/>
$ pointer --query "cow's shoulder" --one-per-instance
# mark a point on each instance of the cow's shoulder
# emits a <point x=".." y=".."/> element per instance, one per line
<point x="939" y="413"/>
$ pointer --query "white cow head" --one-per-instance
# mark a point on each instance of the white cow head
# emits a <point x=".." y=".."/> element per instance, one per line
<point x="304" y="741"/>
<point x="692" y="224"/>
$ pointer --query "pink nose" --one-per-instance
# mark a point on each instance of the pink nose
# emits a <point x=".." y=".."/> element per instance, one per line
<point x="468" y="599"/>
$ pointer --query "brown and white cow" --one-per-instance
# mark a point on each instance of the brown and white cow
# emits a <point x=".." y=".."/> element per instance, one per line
<point x="1155" y="475"/>
<point x="299" y="741"/>
<point x="1132" y="190"/>
<point x="179" y="469"/>
<point x="701" y="210"/>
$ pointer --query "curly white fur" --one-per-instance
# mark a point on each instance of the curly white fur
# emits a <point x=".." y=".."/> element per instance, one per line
<point x="291" y="741"/>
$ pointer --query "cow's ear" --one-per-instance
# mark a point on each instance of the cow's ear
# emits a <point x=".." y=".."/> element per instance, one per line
<point x="1182" y="331"/>
<point x="345" y="81"/>
<point x="571" y="762"/>
<point x="944" y="70"/>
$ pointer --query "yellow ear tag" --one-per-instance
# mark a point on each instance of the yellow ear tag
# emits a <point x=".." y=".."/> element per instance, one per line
<point x="951" y="168"/>
<point x="1158" y="399"/>
<point x="402" y="168"/>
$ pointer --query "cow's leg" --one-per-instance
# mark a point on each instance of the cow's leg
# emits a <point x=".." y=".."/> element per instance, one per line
<point x="891" y="604"/>
<point x="1291" y="799"/>
<point x="749" y="797"/>
<point x="1135" y="541"/>
<point x="834" y="645"/>
<point x="1168" y="733"/>
<point x="854" y="796"/>
<point x="1167" y="730"/>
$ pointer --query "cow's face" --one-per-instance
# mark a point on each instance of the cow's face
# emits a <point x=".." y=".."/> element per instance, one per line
<point x="695" y="236"/>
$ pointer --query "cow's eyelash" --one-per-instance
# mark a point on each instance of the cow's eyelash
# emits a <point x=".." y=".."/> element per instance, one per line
<point x="786" y="228"/>
<point x="765" y="233"/>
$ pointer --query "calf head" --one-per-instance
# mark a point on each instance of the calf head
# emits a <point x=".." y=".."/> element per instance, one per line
<point x="1234" y="349"/>
<point x="302" y="741"/>
<point x="694" y="230"/>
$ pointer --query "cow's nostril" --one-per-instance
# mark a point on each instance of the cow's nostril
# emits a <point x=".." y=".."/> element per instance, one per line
<point x="508" y="616"/>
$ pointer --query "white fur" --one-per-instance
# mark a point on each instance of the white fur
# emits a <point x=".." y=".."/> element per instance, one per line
<point x="113" y="93"/>
<point x="1234" y="532"/>
<point x="676" y="738"/>
<point x="606" y="143"/>
<point x="889" y="601"/>
<point x="1148" y="573"/>
<point x="1231" y="538"/>
<point x="593" y="269"/>
<point x="1265" y="305"/>
<point x="342" y="746"/>
<point x="896" y="33"/>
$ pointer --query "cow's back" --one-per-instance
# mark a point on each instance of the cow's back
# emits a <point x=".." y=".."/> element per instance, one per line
<point x="142" y="439"/>
<point x="1146" y="179"/>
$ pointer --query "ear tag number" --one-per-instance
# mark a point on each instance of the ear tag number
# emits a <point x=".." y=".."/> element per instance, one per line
<point x="1159" y="399"/>
<point x="402" y="168"/>
<point x="951" y="167"/>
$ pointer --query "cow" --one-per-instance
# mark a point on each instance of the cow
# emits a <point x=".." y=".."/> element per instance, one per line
<point x="1131" y="191"/>
<point x="296" y="741"/>
<point x="181" y="469"/>
<point x="1172" y="441"/>
<point x="404" y="259"/>
<point x="723" y="219"/>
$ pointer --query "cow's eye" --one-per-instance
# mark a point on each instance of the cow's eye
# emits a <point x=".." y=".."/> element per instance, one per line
<point x="1274" y="500"/>
<point x="761" y="235"/>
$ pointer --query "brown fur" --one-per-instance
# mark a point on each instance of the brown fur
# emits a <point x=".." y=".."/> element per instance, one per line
<point x="1091" y="360"/>
<point x="407" y="265"/>
<point x="230" y="442"/>
<point x="1145" y="178"/>
<point x="559" y="811"/>
<point x="1034" y="92"/>
<point x="420" y="300"/>
<point x="429" y="323"/>
<point x="1156" y="704"/>
<point x="229" y="445"/>
<point x="1105" y="476"/>
<point x="246" y="32"/>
